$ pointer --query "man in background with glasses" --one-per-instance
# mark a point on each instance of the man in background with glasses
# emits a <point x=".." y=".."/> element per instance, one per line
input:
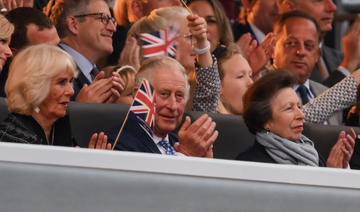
<point x="85" y="28"/>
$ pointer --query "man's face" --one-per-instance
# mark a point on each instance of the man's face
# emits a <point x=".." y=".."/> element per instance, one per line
<point x="170" y="87"/>
<point x="37" y="36"/>
<point x="322" y="10"/>
<point x="264" y="14"/>
<point x="94" y="36"/>
<point x="297" y="48"/>
<point x="149" y="5"/>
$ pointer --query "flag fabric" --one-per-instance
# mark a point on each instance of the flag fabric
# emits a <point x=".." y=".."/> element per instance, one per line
<point x="141" y="114"/>
<point x="162" y="42"/>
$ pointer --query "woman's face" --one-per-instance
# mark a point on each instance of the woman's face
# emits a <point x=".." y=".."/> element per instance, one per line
<point x="5" y="51"/>
<point x="61" y="89"/>
<point x="287" y="118"/>
<point x="237" y="79"/>
<point x="205" y="10"/>
<point x="184" y="48"/>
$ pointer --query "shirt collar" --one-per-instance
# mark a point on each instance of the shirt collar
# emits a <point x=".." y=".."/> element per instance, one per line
<point x="82" y="62"/>
<point x="158" y="139"/>
<point x="258" y="33"/>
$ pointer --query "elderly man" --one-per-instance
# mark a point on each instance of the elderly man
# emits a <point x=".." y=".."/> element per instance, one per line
<point x="331" y="66"/>
<point x="86" y="28"/>
<point x="171" y="86"/>
<point x="297" y="50"/>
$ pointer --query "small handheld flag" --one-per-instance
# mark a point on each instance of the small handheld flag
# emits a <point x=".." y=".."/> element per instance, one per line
<point x="142" y="110"/>
<point x="162" y="42"/>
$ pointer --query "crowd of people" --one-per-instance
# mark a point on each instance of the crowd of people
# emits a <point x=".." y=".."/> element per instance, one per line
<point x="272" y="67"/>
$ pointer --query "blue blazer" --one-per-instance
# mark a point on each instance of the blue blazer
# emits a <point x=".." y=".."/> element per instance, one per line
<point x="135" y="140"/>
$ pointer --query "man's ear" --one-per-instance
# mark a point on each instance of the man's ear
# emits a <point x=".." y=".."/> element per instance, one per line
<point x="137" y="8"/>
<point x="72" y="24"/>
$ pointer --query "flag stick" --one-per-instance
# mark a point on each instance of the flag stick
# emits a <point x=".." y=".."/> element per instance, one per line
<point x="184" y="4"/>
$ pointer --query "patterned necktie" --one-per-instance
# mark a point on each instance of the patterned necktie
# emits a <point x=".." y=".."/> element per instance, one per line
<point x="303" y="94"/>
<point x="169" y="150"/>
<point x="94" y="72"/>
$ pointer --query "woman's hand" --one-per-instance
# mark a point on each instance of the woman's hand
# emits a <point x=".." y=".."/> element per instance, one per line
<point x="99" y="141"/>
<point x="198" y="28"/>
<point x="342" y="151"/>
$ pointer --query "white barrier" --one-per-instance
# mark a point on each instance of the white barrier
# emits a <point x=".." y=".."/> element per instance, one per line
<point x="184" y="166"/>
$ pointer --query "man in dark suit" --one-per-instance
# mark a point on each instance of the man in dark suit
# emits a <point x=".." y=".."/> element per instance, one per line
<point x="171" y="86"/>
<point x="86" y="28"/>
<point x="258" y="18"/>
<point x="331" y="62"/>
<point x="297" y="50"/>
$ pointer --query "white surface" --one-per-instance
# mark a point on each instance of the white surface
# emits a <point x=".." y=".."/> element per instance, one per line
<point x="190" y="166"/>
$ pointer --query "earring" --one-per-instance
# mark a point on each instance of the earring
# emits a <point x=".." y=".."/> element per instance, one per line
<point x="37" y="109"/>
<point x="267" y="130"/>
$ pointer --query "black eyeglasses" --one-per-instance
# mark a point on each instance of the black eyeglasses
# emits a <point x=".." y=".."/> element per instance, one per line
<point x="105" y="19"/>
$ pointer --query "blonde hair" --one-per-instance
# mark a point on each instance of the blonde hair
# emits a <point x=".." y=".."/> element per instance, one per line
<point x="127" y="74"/>
<point x="231" y="50"/>
<point x="6" y="28"/>
<point x="30" y="76"/>
<point x="161" y="18"/>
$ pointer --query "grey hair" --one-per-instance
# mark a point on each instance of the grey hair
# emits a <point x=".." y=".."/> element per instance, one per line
<point x="151" y="64"/>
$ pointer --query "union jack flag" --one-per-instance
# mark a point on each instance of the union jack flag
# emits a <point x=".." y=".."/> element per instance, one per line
<point x="144" y="103"/>
<point x="140" y="115"/>
<point x="162" y="42"/>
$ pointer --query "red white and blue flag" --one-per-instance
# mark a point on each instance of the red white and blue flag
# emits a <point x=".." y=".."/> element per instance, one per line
<point x="144" y="103"/>
<point x="141" y="113"/>
<point x="162" y="42"/>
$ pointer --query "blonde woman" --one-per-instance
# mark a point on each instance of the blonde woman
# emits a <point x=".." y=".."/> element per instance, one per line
<point x="6" y="30"/>
<point x="38" y="91"/>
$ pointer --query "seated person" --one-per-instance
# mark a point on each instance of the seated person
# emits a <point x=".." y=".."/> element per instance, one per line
<point x="169" y="79"/>
<point x="236" y="77"/>
<point x="38" y="91"/>
<point x="272" y="111"/>
<point x="191" y="44"/>
<point x="6" y="30"/>
<point x="127" y="74"/>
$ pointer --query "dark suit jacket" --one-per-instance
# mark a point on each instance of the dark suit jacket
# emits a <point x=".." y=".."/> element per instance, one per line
<point x="332" y="59"/>
<point x="239" y="29"/>
<point x="135" y="140"/>
<point x="317" y="89"/>
<point x="78" y="82"/>
<point x="257" y="153"/>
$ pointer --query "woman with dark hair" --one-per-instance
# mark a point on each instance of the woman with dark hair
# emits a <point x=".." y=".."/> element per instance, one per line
<point x="272" y="111"/>
<point x="220" y="34"/>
